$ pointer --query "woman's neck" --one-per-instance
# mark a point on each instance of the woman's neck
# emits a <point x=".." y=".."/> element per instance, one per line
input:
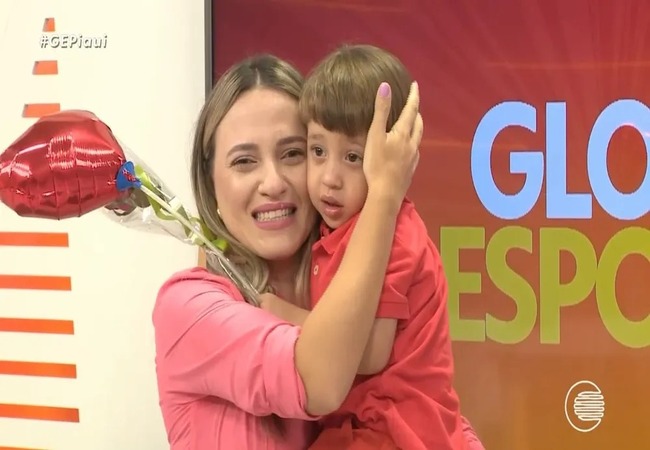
<point x="282" y="277"/>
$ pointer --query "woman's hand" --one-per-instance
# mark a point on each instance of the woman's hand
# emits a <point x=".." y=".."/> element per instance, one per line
<point x="390" y="158"/>
<point x="282" y="309"/>
<point x="271" y="303"/>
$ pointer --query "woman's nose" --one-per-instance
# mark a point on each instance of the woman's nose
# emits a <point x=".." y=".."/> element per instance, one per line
<point x="273" y="183"/>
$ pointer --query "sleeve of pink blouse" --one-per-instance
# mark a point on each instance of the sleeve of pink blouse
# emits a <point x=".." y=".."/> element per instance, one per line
<point x="209" y="342"/>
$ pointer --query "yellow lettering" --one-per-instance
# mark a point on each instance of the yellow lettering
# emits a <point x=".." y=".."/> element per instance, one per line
<point x="512" y="284"/>
<point x="554" y="295"/>
<point x="452" y="240"/>
<point x="633" y="240"/>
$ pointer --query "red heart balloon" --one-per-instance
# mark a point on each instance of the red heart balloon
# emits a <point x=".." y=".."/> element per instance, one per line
<point x="64" y="165"/>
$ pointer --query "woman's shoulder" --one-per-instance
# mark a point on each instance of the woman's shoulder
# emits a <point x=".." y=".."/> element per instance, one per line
<point x="192" y="291"/>
<point x="195" y="280"/>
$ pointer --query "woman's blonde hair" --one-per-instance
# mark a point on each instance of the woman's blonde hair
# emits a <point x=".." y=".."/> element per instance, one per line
<point x="261" y="71"/>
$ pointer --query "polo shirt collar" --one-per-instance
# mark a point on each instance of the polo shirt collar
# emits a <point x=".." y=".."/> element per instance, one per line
<point x="330" y="239"/>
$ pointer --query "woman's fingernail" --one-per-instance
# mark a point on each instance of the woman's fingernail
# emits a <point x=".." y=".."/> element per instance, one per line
<point x="384" y="89"/>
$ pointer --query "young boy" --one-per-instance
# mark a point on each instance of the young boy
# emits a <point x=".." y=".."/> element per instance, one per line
<point x="403" y="397"/>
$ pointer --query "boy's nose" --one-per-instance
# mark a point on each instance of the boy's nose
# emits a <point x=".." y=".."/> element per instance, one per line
<point x="332" y="177"/>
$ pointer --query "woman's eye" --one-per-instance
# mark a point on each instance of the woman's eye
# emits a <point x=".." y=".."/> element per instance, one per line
<point x="242" y="161"/>
<point x="294" y="153"/>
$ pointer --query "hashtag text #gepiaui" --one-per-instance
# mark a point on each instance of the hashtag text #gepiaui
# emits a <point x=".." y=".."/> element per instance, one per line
<point x="73" y="41"/>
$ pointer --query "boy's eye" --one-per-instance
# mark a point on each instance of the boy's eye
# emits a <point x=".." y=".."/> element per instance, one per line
<point x="318" y="151"/>
<point x="353" y="157"/>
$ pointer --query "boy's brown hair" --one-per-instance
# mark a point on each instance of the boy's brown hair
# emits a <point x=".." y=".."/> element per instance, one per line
<point x="340" y="92"/>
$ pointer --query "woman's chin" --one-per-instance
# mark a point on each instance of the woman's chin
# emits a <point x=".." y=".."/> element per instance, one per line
<point x="277" y="245"/>
<point x="278" y="248"/>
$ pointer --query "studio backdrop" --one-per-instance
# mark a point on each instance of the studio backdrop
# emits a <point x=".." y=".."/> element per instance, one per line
<point x="534" y="184"/>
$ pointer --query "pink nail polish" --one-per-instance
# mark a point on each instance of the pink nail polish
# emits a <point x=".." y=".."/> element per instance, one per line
<point x="384" y="89"/>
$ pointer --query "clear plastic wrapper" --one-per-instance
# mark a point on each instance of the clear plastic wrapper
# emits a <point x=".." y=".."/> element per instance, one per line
<point x="151" y="206"/>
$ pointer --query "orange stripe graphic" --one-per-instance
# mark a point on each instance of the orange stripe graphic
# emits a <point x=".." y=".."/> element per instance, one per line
<point x="38" y="282"/>
<point x="49" y="25"/>
<point x="22" y="239"/>
<point x="37" y="412"/>
<point x="48" y="326"/>
<point x="37" y="110"/>
<point x="38" y="369"/>
<point x="45" y="68"/>
<point x="19" y="448"/>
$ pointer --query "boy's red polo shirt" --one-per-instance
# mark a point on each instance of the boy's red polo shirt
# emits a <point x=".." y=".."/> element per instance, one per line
<point x="413" y="399"/>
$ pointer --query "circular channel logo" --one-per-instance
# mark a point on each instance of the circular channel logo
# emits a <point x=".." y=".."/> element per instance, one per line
<point x="584" y="406"/>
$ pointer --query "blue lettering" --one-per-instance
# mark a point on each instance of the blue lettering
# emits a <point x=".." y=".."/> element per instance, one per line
<point x="529" y="163"/>
<point x="560" y="204"/>
<point x="622" y="206"/>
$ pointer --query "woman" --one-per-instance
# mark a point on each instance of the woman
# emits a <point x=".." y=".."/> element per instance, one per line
<point x="223" y="366"/>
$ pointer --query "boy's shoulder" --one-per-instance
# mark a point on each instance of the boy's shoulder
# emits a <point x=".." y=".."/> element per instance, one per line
<point x="412" y="235"/>
<point x="410" y="228"/>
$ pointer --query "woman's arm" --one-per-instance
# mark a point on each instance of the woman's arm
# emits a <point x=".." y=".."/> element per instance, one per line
<point x="341" y="322"/>
<point x="333" y="338"/>
<point x="209" y="342"/>
<point x="393" y="301"/>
